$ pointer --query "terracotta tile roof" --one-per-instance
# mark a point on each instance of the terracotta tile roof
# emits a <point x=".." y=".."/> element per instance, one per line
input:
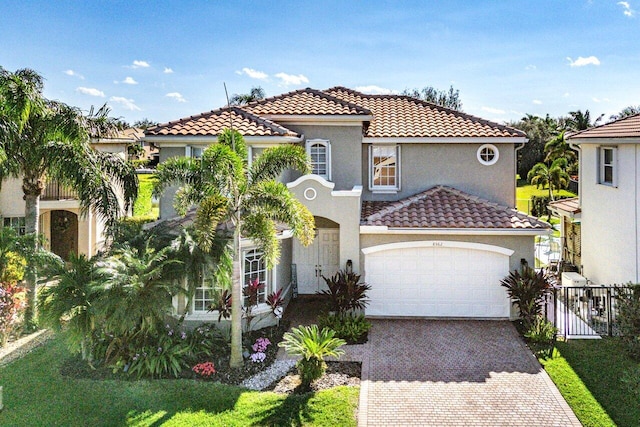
<point x="403" y="116"/>
<point x="628" y="127"/>
<point x="571" y="205"/>
<point x="213" y="122"/>
<point x="305" y="102"/>
<point x="446" y="207"/>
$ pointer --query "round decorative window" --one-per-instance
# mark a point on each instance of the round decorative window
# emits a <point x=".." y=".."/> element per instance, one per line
<point x="310" y="193"/>
<point x="488" y="154"/>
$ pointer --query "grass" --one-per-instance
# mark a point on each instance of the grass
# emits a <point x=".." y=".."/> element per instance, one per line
<point x="588" y="373"/>
<point x="35" y="394"/>
<point x="144" y="206"/>
<point x="525" y="191"/>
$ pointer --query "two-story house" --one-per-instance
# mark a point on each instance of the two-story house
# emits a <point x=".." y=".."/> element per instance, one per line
<point x="600" y="232"/>
<point x="416" y="197"/>
<point x="65" y="228"/>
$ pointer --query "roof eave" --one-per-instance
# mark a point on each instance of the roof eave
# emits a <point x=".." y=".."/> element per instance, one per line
<point x="446" y="140"/>
<point x="181" y="140"/>
<point x="377" y="229"/>
<point x="605" y="140"/>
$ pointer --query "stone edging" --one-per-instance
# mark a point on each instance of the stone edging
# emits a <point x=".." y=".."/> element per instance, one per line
<point x="24" y="345"/>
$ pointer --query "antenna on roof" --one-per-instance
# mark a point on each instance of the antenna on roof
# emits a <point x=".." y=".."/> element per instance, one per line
<point x="233" y="141"/>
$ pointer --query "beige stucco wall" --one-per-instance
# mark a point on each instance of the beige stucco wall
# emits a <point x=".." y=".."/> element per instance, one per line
<point x="610" y="217"/>
<point x="454" y="164"/>
<point x="344" y="210"/>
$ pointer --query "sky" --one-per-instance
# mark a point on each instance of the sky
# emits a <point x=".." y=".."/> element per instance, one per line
<point x="164" y="60"/>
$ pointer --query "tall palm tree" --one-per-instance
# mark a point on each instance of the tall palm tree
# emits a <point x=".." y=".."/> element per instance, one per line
<point x="554" y="176"/>
<point x="45" y="140"/>
<point x="229" y="192"/>
<point x="559" y="148"/>
<point x="255" y="94"/>
<point x="631" y="110"/>
<point x="578" y="120"/>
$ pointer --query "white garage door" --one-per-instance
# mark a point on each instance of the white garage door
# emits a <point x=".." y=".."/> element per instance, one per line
<point x="437" y="279"/>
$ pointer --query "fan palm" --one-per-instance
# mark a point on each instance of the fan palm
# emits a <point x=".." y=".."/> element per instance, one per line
<point x="247" y="198"/>
<point x="45" y="140"/>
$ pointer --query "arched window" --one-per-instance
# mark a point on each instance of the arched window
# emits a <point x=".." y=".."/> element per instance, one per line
<point x="320" y="152"/>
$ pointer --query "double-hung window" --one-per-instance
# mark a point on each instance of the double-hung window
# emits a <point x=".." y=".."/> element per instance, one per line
<point x="384" y="168"/>
<point x="320" y="152"/>
<point x="17" y="223"/>
<point x="607" y="167"/>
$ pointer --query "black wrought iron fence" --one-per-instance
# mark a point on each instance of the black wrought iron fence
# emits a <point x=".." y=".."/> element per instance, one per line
<point x="584" y="311"/>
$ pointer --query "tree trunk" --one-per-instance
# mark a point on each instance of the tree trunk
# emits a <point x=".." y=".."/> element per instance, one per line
<point x="236" y="303"/>
<point x="32" y="191"/>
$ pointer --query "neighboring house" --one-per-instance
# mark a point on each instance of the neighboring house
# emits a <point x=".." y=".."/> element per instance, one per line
<point x="417" y="198"/>
<point x="64" y="227"/>
<point x="604" y="220"/>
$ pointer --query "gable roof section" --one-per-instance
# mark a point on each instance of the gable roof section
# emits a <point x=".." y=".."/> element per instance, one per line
<point x="571" y="206"/>
<point x="401" y="116"/>
<point x="212" y="123"/>
<point x="306" y="102"/>
<point x="445" y="207"/>
<point x="628" y="127"/>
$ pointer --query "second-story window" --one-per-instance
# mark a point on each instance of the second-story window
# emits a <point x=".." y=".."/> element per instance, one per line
<point x="320" y="152"/>
<point x="608" y="157"/>
<point x="384" y="167"/>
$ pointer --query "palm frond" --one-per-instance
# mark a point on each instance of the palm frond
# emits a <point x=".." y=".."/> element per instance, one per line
<point x="211" y="212"/>
<point x="263" y="232"/>
<point x="175" y="171"/>
<point x="273" y="161"/>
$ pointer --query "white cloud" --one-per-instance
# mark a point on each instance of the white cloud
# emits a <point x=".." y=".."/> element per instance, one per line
<point x="90" y="91"/>
<point x="565" y="95"/>
<point x="493" y="110"/>
<point x="177" y="96"/>
<point x="74" y="74"/>
<point x="128" y="104"/>
<point x="168" y="70"/>
<point x="594" y="99"/>
<point x="129" y="81"/>
<point x="374" y="90"/>
<point x="254" y="74"/>
<point x="291" y="79"/>
<point x="537" y="102"/>
<point x="581" y="62"/>
<point x="530" y="67"/>
<point x="140" y="64"/>
<point x="627" y="9"/>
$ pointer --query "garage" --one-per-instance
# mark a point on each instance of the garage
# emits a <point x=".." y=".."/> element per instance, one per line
<point x="437" y="279"/>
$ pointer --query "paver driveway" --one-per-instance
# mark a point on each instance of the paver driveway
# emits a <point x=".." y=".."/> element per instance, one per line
<point x="446" y="373"/>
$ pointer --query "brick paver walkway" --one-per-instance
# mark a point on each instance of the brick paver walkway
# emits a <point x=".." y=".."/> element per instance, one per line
<point x="454" y="373"/>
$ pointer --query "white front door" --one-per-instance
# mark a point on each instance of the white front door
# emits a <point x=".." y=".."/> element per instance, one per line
<point x="320" y="258"/>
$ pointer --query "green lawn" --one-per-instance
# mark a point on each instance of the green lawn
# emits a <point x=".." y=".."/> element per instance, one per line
<point x="524" y="192"/>
<point x="35" y="394"/>
<point x="143" y="206"/>
<point x="588" y="373"/>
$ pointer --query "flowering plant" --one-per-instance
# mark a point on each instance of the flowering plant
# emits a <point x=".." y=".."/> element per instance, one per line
<point x="205" y="369"/>
<point x="259" y="348"/>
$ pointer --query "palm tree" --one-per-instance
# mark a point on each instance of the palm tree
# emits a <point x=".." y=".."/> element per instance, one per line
<point x="45" y="140"/>
<point x="72" y="300"/>
<point x="631" y="110"/>
<point x="553" y="176"/>
<point x="256" y="94"/>
<point x="246" y="199"/>
<point x="559" y="148"/>
<point x="578" y="120"/>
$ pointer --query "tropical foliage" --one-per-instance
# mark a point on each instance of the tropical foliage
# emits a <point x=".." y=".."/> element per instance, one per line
<point x="346" y="292"/>
<point x="553" y="176"/>
<point x="313" y="345"/>
<point x="527" y="290"/>
<point x="629" y="318"/>
<point x="230" y="194"/>
<point x="445" y="98"/>
<point x="352" y="328"/>
<point x="255" y="94"/>
<point x="44" y="141"/>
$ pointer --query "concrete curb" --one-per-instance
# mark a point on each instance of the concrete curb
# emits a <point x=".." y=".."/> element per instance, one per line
<point x="24" y="345"/>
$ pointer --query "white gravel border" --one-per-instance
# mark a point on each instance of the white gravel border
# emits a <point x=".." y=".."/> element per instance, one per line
<point x="264" y="379"/>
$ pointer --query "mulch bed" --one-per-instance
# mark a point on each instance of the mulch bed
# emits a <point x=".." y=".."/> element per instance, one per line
<point x="338" y="373"/>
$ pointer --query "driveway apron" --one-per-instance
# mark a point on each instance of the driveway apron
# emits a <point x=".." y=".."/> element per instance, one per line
<point x="455" y="373"/>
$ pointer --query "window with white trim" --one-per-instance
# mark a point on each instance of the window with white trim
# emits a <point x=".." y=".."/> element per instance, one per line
<point x="384" y="167"/>
<point x="320" y="152"/>
<point x="488" y="154"/>
<point x="17" y="223"/>
<point x="193" y="152"/>
<point x="607" y="158"/>
<point x="204" y="297"/>
<point x="255" y="267"/>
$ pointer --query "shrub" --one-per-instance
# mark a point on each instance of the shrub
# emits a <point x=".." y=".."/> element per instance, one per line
<point x="527" y="290"/>
<point x="541" y="336"/>
<point x="631" y="379"/>
<point x="352" y="328"/>
<point x="12" y="305"/>
<point x="313" y="345"/>
<point x="629" y="318"/>
<point x="345" y="292"/>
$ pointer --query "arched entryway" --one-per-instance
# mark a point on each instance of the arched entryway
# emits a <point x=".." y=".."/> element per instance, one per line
<point x="64" y="233"/>
<point x="320" y="258"/>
